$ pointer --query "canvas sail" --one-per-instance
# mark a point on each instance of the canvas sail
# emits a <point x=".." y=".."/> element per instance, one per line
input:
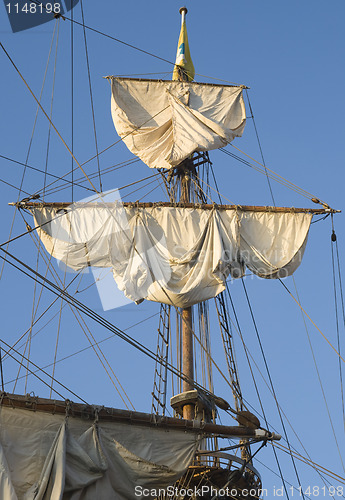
<point x="173" y="255"/>
<point x="163" y="122"/>
<point x="50" y="457"/>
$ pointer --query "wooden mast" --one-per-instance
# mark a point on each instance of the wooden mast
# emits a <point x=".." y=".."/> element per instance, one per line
<point x="186" y="313"/>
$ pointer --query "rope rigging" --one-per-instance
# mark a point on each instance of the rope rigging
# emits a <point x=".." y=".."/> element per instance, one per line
<point x="273" y="175"/>
<point x="46" y="115"/>
<point x="307" y="315"/>
<point x="51" y="111"/>
<point x="91" y="95"/>
<point x="336" y="269"/>
<point x="260" y="148"/>
<point x="83" y="326"/>
<point x="268" y="424"/>
<point x="72" y="107"/>
<point x="8" y="352"/>
<point x="30" y="272"/>
<point x="75" y="353"/>
<point x="31" y="139"/>
<point x="272" y="387"/>
<point x="319" y="378"/>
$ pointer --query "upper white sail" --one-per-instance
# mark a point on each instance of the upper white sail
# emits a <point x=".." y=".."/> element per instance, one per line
<point x="163" y="122"/>
<point x="174" y="255"/>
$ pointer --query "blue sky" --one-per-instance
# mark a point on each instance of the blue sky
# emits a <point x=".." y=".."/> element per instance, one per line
<point x="291" y="56"/>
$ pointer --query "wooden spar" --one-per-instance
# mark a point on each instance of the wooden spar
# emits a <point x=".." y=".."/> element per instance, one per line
<point x="106" y="414"/>
<point x="239" y="208"/>
<point x="195" y="84"/>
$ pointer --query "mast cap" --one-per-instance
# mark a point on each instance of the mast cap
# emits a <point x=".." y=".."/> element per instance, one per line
<point x="183" y="9"/>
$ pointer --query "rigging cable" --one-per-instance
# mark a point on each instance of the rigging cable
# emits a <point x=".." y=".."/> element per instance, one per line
<point x="96" y="317"/>
<point x="33" y="312"/>
<point x="273" y="175"/>
<point x="72" y="106"/>
<point x="99" y="32"/>
<point x="44" y="112"/>
<point x="40" y="317"/>
<point x="51" y="112"/>
<point x="31" y="139"/>
<point x="322" y="469"/>
<point x="20" y="190"/>
<point x="335" y="243"/>
<point x="2" y="372"/>
<point x="78" y="182"/>
<point x="57" y="337"/>
<point x="254" y="381"/>
<point x="264" y="164"/>
<point x="291" y="485"/>
<point x="41" y="370"/>
<point x="67" y="181"/>
<point x="318" y="329"/>
<point x="271" y="383"/>
<point x="29" y="339"/>
<point x="319" y="377"/>
<point x="118" y="40"/>
<point x="91" y="96"/>
<point x="80" y="350"/>
<point x="268" y="425"/>
<point x="80" y="320"/>
<point x="260" y="148"/>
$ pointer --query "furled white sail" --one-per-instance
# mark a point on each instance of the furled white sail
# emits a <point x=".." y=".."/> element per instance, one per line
<point x="163" y="122"/>
<point x="49" y="457"/>
<point x="174" y="255"/>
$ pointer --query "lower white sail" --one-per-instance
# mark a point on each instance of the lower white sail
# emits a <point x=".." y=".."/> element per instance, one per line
<point x="52" y="457"/>
<point x="174" y="255"/>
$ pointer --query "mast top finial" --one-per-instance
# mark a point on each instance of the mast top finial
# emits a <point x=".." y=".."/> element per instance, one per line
<point x="183" y="9"/>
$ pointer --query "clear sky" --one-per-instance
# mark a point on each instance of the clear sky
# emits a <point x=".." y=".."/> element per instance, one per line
<point x="291" y="55"/>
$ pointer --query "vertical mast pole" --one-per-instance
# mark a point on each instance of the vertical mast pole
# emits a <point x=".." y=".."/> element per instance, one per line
<point x="187" y="358"/>
<point x="187" y="323"/>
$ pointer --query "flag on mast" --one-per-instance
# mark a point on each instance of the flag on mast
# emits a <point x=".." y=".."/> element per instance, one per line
<point x="184" y="68"/>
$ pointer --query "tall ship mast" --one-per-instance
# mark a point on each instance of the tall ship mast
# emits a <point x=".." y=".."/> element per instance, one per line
<point x="179" y="253"/>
